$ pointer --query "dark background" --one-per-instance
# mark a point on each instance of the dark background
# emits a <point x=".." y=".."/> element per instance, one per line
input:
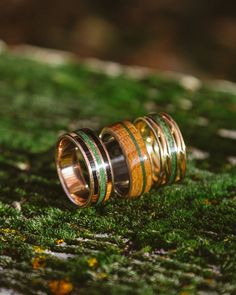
<point x="191" y="36"/>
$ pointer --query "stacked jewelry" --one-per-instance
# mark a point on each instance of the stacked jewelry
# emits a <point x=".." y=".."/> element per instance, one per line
<point x="127" y="158"/>
<point x="165" y="146"/>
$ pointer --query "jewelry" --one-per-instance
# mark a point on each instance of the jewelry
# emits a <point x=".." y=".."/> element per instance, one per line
<point x="180" y="146"/>
<point x="165" y="146"/>
<point x="132" y="169"/>
<point x="84" y="168"/>
<point x="155" y="146"/>
<point x="127" y="158"/>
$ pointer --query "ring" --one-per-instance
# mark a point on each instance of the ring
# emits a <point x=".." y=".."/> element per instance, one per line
<point x="154" y="147"/>
<point x="171" y="159"/>
<point x="84" y="168"/>
<point x="180" y="145"/>
<point x="129" y="159"/>
<point x="165" y="146"/>
<point x="176" y="159"/>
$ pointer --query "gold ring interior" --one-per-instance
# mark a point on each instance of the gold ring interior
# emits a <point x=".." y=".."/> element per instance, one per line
<point x="73" y="171"/>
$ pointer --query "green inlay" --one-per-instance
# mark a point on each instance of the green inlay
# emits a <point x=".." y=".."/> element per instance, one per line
<point x="139" y="154"/>
<point x="171" y="145"/>
<point x="102" y="172"/>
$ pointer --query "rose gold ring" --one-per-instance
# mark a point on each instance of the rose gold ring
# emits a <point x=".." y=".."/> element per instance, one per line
<point x="84" y="168"/>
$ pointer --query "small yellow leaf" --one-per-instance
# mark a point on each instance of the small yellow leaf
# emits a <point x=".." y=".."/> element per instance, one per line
<point x="39" y="262"/>
<point x="92" y="262"/>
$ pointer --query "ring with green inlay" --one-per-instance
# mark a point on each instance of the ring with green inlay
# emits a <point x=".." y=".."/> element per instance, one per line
<point x="170" y="146"/>
<point x="102" y="162"/>
<point x="180" y="146"/>
<point x="83" y="167"/>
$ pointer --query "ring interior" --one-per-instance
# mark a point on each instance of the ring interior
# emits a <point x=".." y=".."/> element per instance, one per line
<point x="151" y="146"/>
<point x="118" y="163"/>
<point x="147" y="136"/>
<point x="73" y="171"/>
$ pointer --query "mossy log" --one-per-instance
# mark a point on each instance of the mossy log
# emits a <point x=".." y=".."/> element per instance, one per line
<point x="179" y="239"/>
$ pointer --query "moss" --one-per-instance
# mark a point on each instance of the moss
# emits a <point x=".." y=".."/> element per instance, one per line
<point x="176" y="240"/>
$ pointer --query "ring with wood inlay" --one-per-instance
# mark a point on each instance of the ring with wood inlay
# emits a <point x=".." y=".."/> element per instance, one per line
<point x="129" y="159"/>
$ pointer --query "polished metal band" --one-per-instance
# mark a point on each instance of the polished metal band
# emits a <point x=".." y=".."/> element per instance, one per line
<point x="166" y="147"/>
<point x="83" y="167"/>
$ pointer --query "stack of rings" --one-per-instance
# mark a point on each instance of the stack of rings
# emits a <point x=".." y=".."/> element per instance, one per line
<point x="166" y="147"/>
<point x="127" y="158"/>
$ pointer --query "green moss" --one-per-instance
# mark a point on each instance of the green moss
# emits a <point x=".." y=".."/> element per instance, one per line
<point x="180" y="238"/>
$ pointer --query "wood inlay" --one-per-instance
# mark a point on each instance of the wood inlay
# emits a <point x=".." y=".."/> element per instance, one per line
<point x="137" y="157"/>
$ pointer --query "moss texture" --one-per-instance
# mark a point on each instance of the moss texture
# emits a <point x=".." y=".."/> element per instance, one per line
<point x="177" y="240"/>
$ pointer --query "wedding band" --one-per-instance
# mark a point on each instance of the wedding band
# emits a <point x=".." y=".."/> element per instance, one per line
<point x="84" y="168"/>
<point x="171" y="147"/>
<point x="180" y="145"/>
<point x="129" y="159"/>
<point x="153" y="145"/>
<point x="165" y="146"/>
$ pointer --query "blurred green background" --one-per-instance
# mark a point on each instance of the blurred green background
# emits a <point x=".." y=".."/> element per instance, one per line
<point x="197" y="37"/>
